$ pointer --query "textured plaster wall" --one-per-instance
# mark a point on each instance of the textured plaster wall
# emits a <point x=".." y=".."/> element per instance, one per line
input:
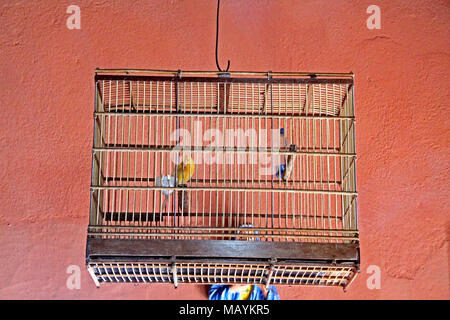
<point x="402" y="105"/>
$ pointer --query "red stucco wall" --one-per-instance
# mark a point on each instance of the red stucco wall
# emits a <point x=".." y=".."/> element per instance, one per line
<point x="402" y="100"/>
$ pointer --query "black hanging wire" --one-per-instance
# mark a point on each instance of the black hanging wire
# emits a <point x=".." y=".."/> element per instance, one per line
<point x="217" y="40"/>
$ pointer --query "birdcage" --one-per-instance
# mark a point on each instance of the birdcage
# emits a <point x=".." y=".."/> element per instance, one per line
<point x="223" y="177"/>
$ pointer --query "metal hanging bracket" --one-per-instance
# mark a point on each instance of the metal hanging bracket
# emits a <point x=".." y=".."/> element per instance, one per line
<point x="217" y="44"/>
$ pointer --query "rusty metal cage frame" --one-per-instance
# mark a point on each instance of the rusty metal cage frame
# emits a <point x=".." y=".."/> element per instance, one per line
<point x="309" y="236"/>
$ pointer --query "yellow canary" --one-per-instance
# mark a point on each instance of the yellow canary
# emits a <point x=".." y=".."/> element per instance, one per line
<point x="185" y="170"/>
